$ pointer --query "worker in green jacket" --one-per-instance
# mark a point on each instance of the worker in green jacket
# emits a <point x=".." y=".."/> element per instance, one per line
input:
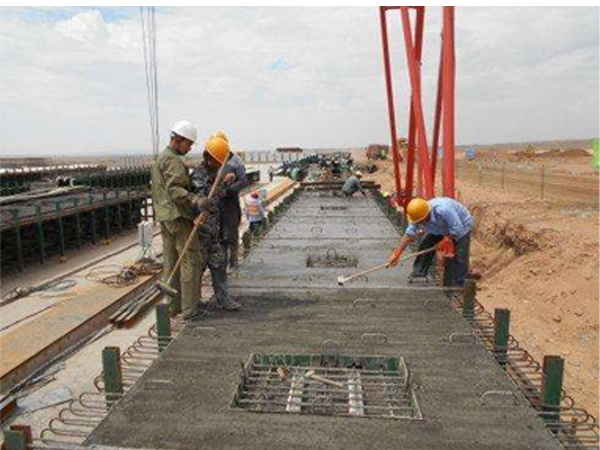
<point x="175" y="207"/>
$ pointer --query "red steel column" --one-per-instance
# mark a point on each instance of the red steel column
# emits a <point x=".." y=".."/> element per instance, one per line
<point x="448" y="80"/>
<point x="390" y="98"/>
<point x="410" y="160"/>
<point x="416" y="102"/>
<point x="437" y="120"/>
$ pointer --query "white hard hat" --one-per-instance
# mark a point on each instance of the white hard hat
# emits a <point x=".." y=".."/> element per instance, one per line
<point x="185" y="129"/>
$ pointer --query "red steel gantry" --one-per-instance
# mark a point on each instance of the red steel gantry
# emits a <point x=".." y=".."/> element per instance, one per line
<point x="418" y="150"/>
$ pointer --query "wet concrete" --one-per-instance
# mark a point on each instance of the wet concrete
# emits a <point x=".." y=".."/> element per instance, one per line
<point x="290" y="308"/>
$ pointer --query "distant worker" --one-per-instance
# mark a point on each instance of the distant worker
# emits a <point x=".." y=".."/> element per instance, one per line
<point x="231" y="213"/>
<point x="439" y="218"/>
<point x="255" y="212"/>
<point x="213" y="249"/>
<point x="271" y="174"/>
<point x="175" y="207"/>
<point x="352" y="185"/>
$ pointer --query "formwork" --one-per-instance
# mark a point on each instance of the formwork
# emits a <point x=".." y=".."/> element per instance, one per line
<point x="402" y="368"/>
<point x="35" y="229"/>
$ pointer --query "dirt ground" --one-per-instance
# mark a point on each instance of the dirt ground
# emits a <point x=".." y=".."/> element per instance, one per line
<point x="540" y="260"/>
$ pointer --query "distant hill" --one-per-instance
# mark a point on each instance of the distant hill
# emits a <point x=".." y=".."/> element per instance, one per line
<point x="541" y="145"/>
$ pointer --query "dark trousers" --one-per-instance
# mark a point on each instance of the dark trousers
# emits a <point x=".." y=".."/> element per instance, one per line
<point x="455" y="270"/>
<point x="256" y="226"/>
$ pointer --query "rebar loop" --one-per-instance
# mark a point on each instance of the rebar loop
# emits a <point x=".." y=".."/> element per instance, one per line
<point x="80" y="416"/>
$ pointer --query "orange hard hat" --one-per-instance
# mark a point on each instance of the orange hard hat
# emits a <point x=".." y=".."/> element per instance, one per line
<point x="417" y="210"/>
<point x="219" y="134"/>
<point x="218" y="148"/>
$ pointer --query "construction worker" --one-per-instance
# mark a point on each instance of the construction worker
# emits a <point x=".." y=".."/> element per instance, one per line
<point x="441" y="218"/>
<point x="255" y="212"/>
<point x="174" y="206"/>
<point x="231" y="213"/>
<point x="352" y="185"/>
<point x="211" y="231"/>
<point x="271" y="174"/>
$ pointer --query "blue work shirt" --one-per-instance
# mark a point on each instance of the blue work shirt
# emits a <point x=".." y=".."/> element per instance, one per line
<point x="447" y="218"/>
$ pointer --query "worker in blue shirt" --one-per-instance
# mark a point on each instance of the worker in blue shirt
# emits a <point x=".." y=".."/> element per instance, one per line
<point x="439" y="218"/>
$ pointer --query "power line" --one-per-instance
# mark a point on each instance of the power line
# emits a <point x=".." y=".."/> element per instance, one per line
<point x="148" y="18"/>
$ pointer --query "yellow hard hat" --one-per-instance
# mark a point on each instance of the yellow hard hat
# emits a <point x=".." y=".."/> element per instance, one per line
<point x="385" y="193"/>
<point x="218" y="148"/>
<point x="417" y="210"/>
<point x="220" y="134"/>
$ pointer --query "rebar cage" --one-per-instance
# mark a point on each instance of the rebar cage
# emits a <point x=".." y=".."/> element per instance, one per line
<point x="331" y="385"/>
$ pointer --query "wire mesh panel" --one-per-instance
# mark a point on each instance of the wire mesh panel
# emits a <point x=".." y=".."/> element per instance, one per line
<point x="338" y="385"/>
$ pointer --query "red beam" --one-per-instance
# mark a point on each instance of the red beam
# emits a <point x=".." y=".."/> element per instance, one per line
<point x="448" y="80"/>
<point x="390" y="98"/>
<point x="410" y="160"/>
<point x="416" y="103"/>
<point x="436" y="121"/>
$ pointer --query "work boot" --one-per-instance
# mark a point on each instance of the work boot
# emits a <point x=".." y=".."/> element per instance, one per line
<point x="199" y="312"/>
<point x="228" y="305"/>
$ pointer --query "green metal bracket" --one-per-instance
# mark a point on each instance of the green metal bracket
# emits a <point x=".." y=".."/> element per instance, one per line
<point x="61" y="230"/>
<point x="18" y="239"/>
<point x="113" y="375"/>
<point x="15" y="440"/>
<point x="41" y="237"/>
<point x="93" y="221"/>
<point x="552" y="384"/>
<point x="106" y="215"/>
<point x="18" y="437"/>
<point x="119" y="215"/>
<point x="501" y="334"/>
<point x="163" y="326"/>
<point x="77" y="222"/>
<point x="469" y="299"/>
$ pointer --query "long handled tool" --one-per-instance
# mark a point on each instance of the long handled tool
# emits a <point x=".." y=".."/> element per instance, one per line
<point x="165" y="287"/>
<point x="343" y="280"/>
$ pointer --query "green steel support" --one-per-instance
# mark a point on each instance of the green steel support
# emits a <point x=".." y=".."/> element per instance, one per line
<point x="119" y="215"/>
<point x="15" y="440"/>
<point x="469" y="299"/>
<point x="18" y="240"/>
<point x="129" y="210"/>
<point x="163" y="326"/>
<point x="113" y="375"/>
<point x="106" y="215"/>
<point x="41" y="238"/>
<point x="552" y="383"/>
<point x="61" y="230"/>
<point x="77" y="222"/>
<point x="18" y="437"/>
<point x="501" y="334"/>
<point x="93" y="223"/>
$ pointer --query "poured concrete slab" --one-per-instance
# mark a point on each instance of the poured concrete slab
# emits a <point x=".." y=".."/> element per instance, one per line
<point x="295" y="309"/>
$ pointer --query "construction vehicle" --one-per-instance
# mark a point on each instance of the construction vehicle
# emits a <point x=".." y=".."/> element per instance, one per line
<point x="377" y="151"/>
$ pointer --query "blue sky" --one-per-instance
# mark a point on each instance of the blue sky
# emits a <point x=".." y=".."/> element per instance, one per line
<point x="72" y="79"/>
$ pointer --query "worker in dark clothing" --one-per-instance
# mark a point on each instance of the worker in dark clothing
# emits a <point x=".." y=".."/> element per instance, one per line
<point x="231" y="212"/>
<point x="214" y="255"/>
<point x="352" y="185"/>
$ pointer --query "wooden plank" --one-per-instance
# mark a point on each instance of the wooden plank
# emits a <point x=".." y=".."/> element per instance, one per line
<point x="28" y="347"/>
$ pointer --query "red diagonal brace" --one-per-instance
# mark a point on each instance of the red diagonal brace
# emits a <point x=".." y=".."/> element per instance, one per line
<point x="390" y="98"/>
<point x="413" y="70"/>
<point x="410" y="159"/>
<point x="448" y="74"/>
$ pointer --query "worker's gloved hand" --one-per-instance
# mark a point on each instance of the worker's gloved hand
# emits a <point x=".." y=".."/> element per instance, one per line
<point x="447" y="247"/>
<point x="204" y="204"/>
<point x="395" y="257"/>
<point x="229" y="178"/>
<point x="200" y="219"/>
